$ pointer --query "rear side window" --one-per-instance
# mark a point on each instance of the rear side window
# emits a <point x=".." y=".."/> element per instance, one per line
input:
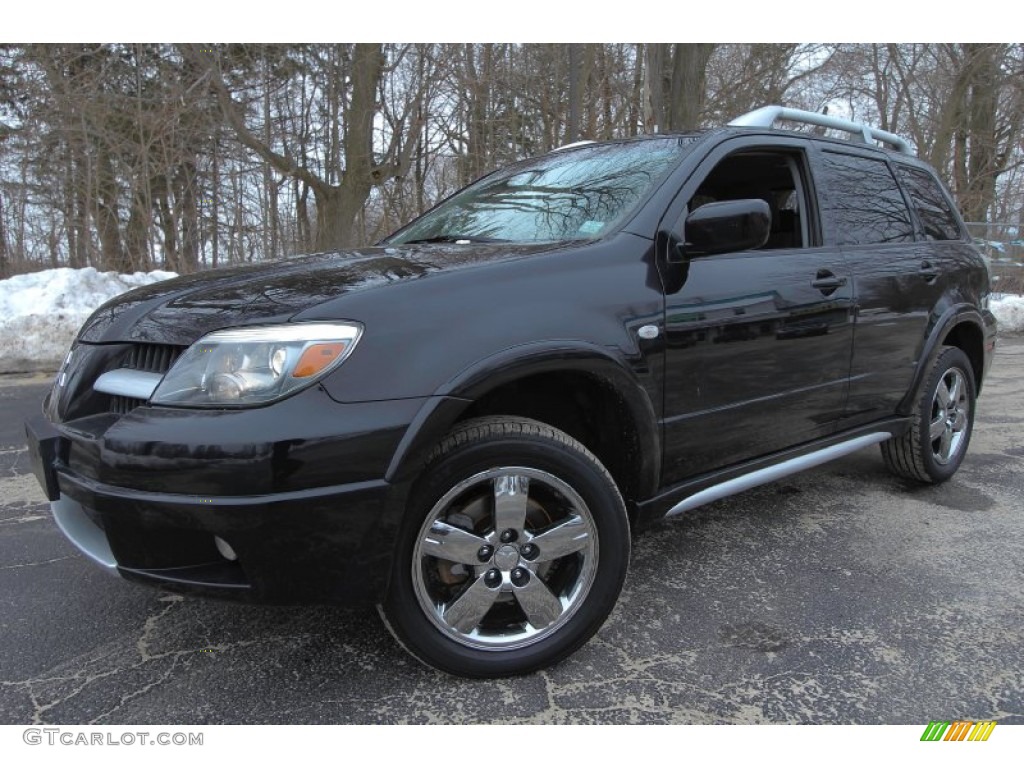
<point x="932" y="206"/>
<point x="865" y="202"/>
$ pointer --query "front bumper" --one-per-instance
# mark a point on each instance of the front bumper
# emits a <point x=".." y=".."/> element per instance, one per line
<point x="150" y="509"/>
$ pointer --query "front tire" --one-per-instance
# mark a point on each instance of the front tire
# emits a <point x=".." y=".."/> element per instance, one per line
<point x="933" y="448"/>
<point x="513" y="553"/>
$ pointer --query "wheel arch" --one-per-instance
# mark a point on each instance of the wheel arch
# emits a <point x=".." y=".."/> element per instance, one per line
<point x="551" y="382"/>
<point x="969" y="338"/>
<point x="960" y="326"/>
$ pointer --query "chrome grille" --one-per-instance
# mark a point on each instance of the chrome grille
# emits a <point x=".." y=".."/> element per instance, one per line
<point x="152" y="358"/>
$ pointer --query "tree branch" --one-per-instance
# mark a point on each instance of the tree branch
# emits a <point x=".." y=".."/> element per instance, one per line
<point x="233" y="114"/>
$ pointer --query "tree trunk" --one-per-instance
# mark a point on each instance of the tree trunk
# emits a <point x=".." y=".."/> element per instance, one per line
<point x="214" y="201"/>
<point x="338" y="206"/>
<point x="588" y="79"/>
<point x="136" y="234"/>
<point x="576" y="86"/>
<point x="951" y="118"/>
<point x="982" y="166"/>
<point x="106" y="213"/>
<point x="79" y="253"/>
<point x="689" y="85"/>
<point x="166" y="218"/>
<point x="605" y="68"/>
<point x="654" y="102"/>
<point x="477" y="102"/>
<point x="68" y="207"/>
<point x="189" y="217"/>
<point x="5" y="263"/>
<point x="636" y="103"/>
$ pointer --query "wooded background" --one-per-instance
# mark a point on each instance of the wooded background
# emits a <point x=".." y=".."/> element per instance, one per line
<point x="183" y="157"/>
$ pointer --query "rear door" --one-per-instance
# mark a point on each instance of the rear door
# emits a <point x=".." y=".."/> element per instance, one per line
<point x="898" y="278"/>
<point x="759" y="342"/>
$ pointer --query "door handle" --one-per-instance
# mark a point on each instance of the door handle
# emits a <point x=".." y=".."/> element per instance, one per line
<point x="827" y="282"/>
<point x="927" y="271"/>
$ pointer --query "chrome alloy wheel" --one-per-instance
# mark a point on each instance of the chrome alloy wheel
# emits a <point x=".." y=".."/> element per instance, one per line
<point x="951" y="410"/>
<point x="505" y="558"/>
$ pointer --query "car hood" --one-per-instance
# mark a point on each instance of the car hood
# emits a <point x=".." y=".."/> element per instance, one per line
<point x="182" y="310"/>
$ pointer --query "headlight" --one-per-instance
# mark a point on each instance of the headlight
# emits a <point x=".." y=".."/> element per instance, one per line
<point x="252" y="366"/>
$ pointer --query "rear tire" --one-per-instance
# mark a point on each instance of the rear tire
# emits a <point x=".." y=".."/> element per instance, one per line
<point x="513" y="553"/>
<point x="933" y="448"/>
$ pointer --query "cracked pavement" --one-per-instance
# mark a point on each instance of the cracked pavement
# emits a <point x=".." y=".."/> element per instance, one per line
<point x="841" y="595"/>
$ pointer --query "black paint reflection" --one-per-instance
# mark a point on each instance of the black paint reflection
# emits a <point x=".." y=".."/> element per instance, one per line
<point x="180" y="311"/>
<point x="757" y="358"/>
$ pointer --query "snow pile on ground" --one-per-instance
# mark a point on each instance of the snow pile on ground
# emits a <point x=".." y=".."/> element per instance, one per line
<point x="40" y="313"/>
<point x="1009" y="311"/>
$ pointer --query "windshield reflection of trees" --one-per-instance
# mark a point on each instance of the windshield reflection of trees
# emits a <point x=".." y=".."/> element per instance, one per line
<point x="546" y="212"/>
<point x="570" y="198"/>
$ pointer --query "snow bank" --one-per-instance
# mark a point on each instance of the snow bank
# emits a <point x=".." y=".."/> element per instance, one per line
<point x="1009" y="311"/>
<point x="40" y="313"/>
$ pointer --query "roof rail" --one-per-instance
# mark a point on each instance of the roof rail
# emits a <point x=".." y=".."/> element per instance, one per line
<point x="766" y="117"/>
<point x="574" y="144"/>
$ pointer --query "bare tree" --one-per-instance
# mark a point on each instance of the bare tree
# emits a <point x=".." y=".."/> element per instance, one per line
<point x="138" y="156"/>
<point x="338" y="204"/>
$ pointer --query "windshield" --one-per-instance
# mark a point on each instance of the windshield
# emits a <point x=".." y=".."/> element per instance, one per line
<point x="578" y="194"/>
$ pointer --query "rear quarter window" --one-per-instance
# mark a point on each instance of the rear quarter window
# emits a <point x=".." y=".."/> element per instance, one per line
<point x="933" y="209"/>
<point x="864" y="201"/>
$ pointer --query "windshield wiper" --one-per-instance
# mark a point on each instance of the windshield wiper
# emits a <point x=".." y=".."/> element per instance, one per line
<point x="454" y="239"/>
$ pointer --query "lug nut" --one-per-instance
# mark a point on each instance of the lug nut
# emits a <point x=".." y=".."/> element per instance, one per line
<point x="508" y="536"/>
<point x="492" y="578"/>
<point x="520" y="576"/>
<point x="529" y="551"/>
<point x="485" y="552"/>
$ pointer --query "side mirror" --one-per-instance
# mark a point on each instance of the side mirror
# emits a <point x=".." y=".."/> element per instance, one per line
<point x="730" y="225"/>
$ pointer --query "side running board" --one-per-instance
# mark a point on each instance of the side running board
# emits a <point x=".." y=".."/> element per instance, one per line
<point x="776" y="472"/>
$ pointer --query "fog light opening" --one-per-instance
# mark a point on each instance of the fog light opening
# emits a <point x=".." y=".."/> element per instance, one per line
<point x="224" y="548"/>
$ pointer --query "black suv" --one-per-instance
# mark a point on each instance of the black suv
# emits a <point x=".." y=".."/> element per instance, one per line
<point x="464" y="423"/>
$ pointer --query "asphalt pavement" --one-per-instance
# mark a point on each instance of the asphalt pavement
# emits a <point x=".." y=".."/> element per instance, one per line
<point x="842" y="595"/>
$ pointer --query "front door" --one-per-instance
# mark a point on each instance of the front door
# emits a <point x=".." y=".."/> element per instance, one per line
<point x="758" y="342"/>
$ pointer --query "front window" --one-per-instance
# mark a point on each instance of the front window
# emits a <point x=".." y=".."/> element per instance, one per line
<point x="572" y="195"/>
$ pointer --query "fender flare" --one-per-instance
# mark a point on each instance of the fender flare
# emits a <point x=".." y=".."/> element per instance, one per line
<point x="953" y="316"/>
<point x="437" y="415"/>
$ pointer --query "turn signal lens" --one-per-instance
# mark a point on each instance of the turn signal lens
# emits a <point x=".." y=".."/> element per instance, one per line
<point x="316" y="357"/>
